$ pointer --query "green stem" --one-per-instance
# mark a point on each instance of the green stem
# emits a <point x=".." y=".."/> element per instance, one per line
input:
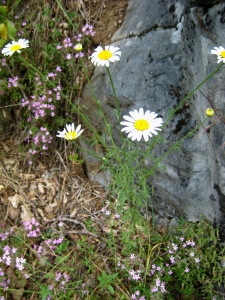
<point x="100" y="110"/>
<point x="66" y="15"/>
<point x="89" y="152"/>
<point x="173" y="148"/>
<point x="189" y="95"/>
<point x="118" y="115"/>
<point x="175" y="110"/>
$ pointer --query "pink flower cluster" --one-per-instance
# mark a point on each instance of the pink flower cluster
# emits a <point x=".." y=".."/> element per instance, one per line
<point x="4" y="235"/>
<point x="135" y="275"/>
<point x="9" y="258"/>
<point x="52" y="243"/>
<point x="136" y="296"/>
<point x="159" y="287"/>
<point x="32" y="227"/>
<point x="42" y="103"/>
<point x="88" y="30"/>
<point x="69" y="45"/>
<point x="42" y="138"/>
<point x="62" y="279"/>
<point x="41" y="141"/>
<point x="43" y="248"/>
<point x="13" y="82"/>
<point x="7" y="255"/>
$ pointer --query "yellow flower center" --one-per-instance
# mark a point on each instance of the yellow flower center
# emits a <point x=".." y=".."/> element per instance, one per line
<point x="15" y="47"/>
<point x="104" y="55"/>
<point x="71" y="135"/>
<point x="141" y="125"/>
<point x="222" y="53"/>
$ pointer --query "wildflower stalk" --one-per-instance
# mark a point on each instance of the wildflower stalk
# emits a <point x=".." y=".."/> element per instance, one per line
<point x="118" y="115"/>
<point x="174" y="111"/>
<point x="149" y="258"/>
<point x="189" y="95"/>
<point x="66" y="15"/>
<point x="87" y="151"/>
<point x="177" y="144"/>
<point x="101" y="111"/>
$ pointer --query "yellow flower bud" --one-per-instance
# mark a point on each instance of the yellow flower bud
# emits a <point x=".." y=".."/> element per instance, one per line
<point x="78" y="47"/>
<point x="209" y="112"/>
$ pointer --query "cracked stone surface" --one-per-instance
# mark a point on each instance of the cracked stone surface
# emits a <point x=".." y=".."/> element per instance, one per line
<point x="165" y="54"/>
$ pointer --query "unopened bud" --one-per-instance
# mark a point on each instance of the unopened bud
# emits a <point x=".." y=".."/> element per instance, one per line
<point x="78" y="47"/>
<point x="209" y="112"/>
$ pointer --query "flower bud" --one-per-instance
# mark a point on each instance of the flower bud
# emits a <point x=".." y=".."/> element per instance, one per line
<point x="78" y="47"/>
<point x="209" y="112"/>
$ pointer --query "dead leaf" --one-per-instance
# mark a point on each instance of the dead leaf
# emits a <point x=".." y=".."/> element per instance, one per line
<point x="32" y="195"/>
<point x="41" y="188"/>
<point x="27" y="176"/>
<point x="13" y="212"/>
<point x="42" y="214"/>
<point x="73" y="213"/>
<point x="110" y="230"/>
<point x="15" y="200"/>
<point x="26" y="215"/>
<point x="1" y="187"/>
<point x="6" y="148"/>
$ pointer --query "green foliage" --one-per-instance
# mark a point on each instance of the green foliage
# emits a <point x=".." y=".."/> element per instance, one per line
<point x="74" y="158"/>
<point x="107" y="281"/>
<point x="11" y="30"/>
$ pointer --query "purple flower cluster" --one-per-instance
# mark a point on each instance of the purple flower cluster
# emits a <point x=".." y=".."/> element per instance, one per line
<point x="133" y="275"/>
<point x="136" y="296"/>
<point x="41" y="106"/>
<point x="43" y="248"/>
<point x="181" y="255"/>
<point x="4" y="235"/>
<point x="62" y="279"/>
<point x="13" y="82"/>
<point x="69" y="45"/>
<point x="7" y="255"/>
<point x="88" y="30"/>
<point x="159" y="286"/>
<point x="32" y="227"/>
<point x="41" y="140"/>
<point x="9" y="258"/>
<point x="107" y="212"/>
<point x="42" y="103"/>
<point x="52" y="243"/>
<point x="83" y="289"/>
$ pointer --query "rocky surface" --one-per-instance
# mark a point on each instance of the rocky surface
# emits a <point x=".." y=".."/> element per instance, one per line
<point x="165" y="54"/>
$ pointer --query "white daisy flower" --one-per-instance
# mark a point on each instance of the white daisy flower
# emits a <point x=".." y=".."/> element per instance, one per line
<point x="10" y="48"/>
<point x="70" y="133"/>
<point x="102" y="57"/>
<point x="141" y="124"/>
<point x="220" y="52"/>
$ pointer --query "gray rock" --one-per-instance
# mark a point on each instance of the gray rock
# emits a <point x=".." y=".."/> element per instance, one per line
<point x="165" y="54"/>
<point x="93" y="163"/>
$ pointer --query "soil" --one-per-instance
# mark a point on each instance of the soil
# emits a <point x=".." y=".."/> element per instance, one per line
<point x="107" y="17"/>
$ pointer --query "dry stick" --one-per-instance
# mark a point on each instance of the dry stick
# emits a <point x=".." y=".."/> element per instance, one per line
<point x="82" y="231"/>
